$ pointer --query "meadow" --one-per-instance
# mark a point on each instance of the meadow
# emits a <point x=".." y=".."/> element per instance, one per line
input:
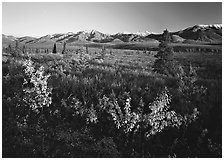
<point x="107" y="101"/>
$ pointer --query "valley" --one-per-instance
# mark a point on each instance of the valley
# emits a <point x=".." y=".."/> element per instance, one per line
<point x="102" y="95"/>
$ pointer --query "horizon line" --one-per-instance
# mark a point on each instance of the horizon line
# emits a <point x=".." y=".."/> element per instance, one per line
<point x="90" y="30"/>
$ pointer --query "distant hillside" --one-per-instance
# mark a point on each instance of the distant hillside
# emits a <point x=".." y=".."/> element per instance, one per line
<point x="177" y="39"/>
<point x="203" y="33"/>
<point x="195" y="34"/>
<point x="6" y="40"/>
<point x="26" y="39"/>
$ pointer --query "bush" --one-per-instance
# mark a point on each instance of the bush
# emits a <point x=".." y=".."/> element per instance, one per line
<point x="69" y="107"/>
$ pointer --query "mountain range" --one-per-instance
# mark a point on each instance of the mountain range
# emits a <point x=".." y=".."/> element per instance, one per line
<point x="195" y="34"/>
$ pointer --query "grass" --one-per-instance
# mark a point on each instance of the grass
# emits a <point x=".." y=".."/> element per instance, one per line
<point x="122" y="72"/>
<point x="150" y="46"/>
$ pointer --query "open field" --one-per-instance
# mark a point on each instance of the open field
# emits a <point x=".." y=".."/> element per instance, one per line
<point x="149" y="46"/>
<point x="79" y="121"/>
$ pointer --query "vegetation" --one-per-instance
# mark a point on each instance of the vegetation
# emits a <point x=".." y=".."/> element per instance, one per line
<point x="164" y="56"/>
<point x="64" y="48"/>
<point x="54" y="49"/>
<point x="24" y="49"/>
<point x="71" y="105"/>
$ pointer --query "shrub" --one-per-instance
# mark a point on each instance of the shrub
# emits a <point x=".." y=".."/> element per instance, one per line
<point x="38" y="95"/>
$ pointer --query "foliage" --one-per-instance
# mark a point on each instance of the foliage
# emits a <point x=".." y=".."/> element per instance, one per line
<point x="38" y="95"/>
<point x="64" y="48"/>
<point x="54" y="49"/>
<point x="67" y="106"/>
<point x="24" y="49"/>
<point x="158" y="119"/>
<point x="164" y="55"/>
<point x="81" y="144"/>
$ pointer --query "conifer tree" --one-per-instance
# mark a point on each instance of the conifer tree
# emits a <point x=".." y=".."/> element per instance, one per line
<point x="64" y="48"/>
<point x="54" y="49"/>
<point x="164" y="56"/>
<point x="24" y="48"/>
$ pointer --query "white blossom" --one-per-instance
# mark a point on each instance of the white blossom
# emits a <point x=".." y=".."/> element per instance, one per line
<point x="37" y="96"/>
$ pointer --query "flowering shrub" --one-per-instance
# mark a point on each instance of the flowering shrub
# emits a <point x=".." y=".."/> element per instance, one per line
<point x="161" y="117"/>
<point x="79" y="109"/>
<point x="157" y="120"/>
<point x="91" y="115"/>
<point x="37" y="93"/>
<point x="125" y="119"/>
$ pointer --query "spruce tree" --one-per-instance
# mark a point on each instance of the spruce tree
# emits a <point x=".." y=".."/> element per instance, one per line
<point x="164" y="60"/>
<point x="24" y="48"/>
<point x="64" y="48"/>
<point x="54" y="49"/>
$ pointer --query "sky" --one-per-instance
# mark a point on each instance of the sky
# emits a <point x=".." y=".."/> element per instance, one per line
<point x="42" y="18"/>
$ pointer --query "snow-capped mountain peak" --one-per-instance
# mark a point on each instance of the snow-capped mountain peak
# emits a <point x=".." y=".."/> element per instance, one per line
<point x="89" y="31"/>
<point x="214" y="30"/>
<point x="70" y="33"/>
<point x="124" y="32"/>
<point x="217" y="26"/>
<point x="139" y="33"/>
<point x="145" y="33"/>
<point x="206" y="26"/>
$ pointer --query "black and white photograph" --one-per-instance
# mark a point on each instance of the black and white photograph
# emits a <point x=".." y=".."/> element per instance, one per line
<point x="122" y="79"/>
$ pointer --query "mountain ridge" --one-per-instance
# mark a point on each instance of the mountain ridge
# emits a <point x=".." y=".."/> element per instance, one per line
<point x="209" y="33"/>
